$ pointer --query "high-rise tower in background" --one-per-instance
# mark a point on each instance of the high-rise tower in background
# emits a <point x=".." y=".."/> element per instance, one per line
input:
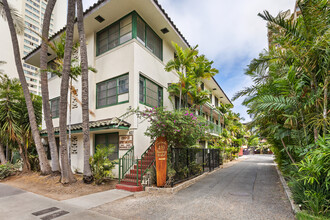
<point x="32" y="11"/>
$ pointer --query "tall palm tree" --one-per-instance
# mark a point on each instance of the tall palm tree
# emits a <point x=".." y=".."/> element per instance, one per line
<point x="88" y="177"/>
<point x="14" y="122"/>
<point x="22" y="125"/>
<point x="44" y="164"/>
<point x="181" y="64"/>
<point x="44" y="87"/>
<point x="200" y="69"/>
<point x="66" y="174"/>
<point x="76" y="70"/>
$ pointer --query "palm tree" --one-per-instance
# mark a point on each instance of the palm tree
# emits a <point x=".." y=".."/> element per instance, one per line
<point x="66" y="174"/>
<point x="22" y="125"/>
<point x="88" y="177"/>
<point x="44" y="87"/>
<point x="44" y="165"/>
<point x="75" y="71"/>
<point x="200" y="69"/>
<point x="181" y="64"/>
<point x="14" y="122"/>
<point x="289" y="98"/>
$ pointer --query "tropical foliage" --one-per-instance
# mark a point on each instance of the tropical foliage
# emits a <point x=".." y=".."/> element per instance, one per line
<point x="7" y="13"/>
<point x="289" y="100"/>
<point x="101" y="166"/>
<point x="14" y="121"/>
<point x="233" y="135"/>
<point x="8" y="169"/>
<point x="191" y="69"/>
<point x="181" y="128"/>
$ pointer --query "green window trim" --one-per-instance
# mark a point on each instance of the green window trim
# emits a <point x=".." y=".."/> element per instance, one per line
<point x="156" y="47"/>
<point x="57" y="111"/>
<point x="107" y="144"/>
<point x="145" y="95"/>
<point x="117" y="78"/>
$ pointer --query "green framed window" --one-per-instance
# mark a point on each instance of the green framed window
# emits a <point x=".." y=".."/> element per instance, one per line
<point x="54" y="107"/>
<point x="114" y="35"/>
<point x="150" y="93"/>
<point x="146" y="36"/>
<point x="112" y="91"/>
<point x="131" y="26"/>
<point x="104" y="140"/>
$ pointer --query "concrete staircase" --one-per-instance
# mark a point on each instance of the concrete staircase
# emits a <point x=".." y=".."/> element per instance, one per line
<point x="132" y="179"/>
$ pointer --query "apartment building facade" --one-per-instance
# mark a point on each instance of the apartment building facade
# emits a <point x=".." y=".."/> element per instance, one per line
<point x="32" y="12"/>
<point x="129" y="43"/>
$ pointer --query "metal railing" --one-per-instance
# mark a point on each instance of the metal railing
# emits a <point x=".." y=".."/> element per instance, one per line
<point x="147" y="159"/>
<point x="214" y="128"/>
<point x="126" y="162"/>
<point x="190" y="162"/>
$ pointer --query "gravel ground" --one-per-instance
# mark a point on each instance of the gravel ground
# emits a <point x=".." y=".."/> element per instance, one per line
<point x="250" y="189"/>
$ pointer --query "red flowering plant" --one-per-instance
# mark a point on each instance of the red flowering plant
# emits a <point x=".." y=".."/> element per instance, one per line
<point x="181" y="128"/>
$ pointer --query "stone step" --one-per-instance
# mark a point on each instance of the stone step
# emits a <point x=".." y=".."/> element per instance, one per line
<point x="131" y="182"/>
<point x="129" y="187"/>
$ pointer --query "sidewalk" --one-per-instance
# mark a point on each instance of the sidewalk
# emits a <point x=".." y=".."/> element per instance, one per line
<point x="19" y="204"/>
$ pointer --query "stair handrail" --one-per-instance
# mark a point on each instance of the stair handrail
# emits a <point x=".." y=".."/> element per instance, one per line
<point x="126" y="162"/>
<point x="142" y="157"/>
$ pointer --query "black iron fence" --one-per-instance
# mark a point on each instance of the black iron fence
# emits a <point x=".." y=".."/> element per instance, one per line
<point x="190" y="162"/>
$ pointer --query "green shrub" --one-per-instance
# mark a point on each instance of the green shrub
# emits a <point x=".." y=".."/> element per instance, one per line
<point x="195" y="168"/>
<point x="101" y="166"/>
<point x="310" y="185"/>
<point x="8" y="169"/>
<point x="305" y="216"/>
<point x="181" y="128"/>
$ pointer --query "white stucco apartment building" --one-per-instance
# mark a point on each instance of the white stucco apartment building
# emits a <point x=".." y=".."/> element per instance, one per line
<point x="129" y="43"/>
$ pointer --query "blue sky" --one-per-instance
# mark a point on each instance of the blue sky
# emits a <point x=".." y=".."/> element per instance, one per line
<point x="228" y="32"/>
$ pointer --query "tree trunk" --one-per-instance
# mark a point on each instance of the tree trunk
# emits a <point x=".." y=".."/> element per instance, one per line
<point x="44" y="87"/>
<point x="88" y="177"/>
<point x="286" y="149"/>
<point x="66" y="174"/>
<point x="314" y="85"/>
<point x="180" y="96"/>
<point x="26" y="165"/>
<point x="7" y="151"/>
<point x="44" y="165"/>
<point x="325" y="104"/>
<point x="25" y="151"/>
<point x="2" y="155"/>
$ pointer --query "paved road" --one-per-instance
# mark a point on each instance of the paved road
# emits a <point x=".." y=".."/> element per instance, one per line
<point x="250" y="189"/>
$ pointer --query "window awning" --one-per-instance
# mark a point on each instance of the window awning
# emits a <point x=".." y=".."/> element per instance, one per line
<point x="111" y="123"/>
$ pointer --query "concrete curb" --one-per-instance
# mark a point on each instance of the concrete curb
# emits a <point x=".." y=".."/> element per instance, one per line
<point x="295" y="208"/>
<point x="156" y="190"/>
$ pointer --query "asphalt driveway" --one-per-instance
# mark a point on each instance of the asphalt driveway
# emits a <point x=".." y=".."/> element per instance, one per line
<point x="250" y="189"/>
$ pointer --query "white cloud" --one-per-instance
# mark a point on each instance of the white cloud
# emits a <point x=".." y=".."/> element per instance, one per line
<point x="224" y="29"/>
<point x="228" y="32"/>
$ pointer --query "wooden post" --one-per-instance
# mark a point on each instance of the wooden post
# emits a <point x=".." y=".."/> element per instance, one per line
<point x="161" y="160"/>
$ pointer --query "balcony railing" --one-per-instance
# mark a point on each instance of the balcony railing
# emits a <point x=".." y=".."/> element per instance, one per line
<point x="214" y="128"/>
